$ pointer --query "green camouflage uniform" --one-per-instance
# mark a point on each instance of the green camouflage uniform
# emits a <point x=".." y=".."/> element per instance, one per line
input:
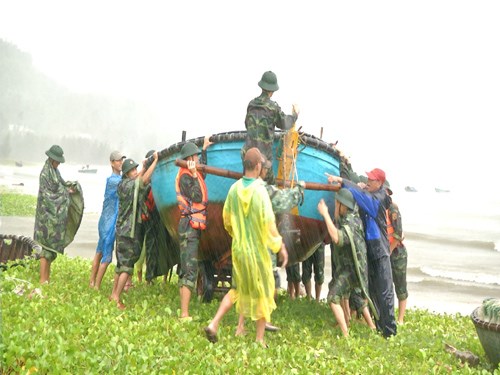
<point x="347" y="278"/>
<point x="128" y="230"/>
<point x="189" y="237"/>
<point x="263" y="116"/>
<point x="399" y="256"/>
<point x="55" y="221"/>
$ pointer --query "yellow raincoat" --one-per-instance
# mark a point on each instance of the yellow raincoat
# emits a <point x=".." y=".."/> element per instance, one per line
<point x="249" y="219"/>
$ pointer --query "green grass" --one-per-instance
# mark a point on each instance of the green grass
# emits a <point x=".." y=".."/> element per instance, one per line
<point x="75" y="330"/>
<point x="15" y="204"/>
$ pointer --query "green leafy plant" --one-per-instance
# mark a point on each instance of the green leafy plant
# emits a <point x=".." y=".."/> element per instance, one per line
<point x="14" y="204"/>
<point x="75" y="329"/>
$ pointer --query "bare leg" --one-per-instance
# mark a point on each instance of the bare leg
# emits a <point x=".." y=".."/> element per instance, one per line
<point x="338" y="312"/>
<point x="100" y="275"/>
<point x="139" y="275"/>
<point x="344" y="302"/>
<point x="296" y="288"/>
<point x="128" y="283"/>
<point x="318" y="291"/>
<point x="307" y="286"/>
<point x="185" y="294"/>
<point x="117" y="291"/>
<point x="260" y="330"/>
<point x="368" y="317"/>
<point x="402" y="310"/>
<point x="224" y="307"/>
<point x="95" y="267"/>
<point x="115" y="284"/>
<point x="240" y="330"/>
<point x="44" y="271"/>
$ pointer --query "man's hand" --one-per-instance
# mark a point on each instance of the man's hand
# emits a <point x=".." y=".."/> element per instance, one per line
<point x="322" y="208"/>
<point x="206" y="142"/>
<point x="333" y="179"/>
<point x="295" y="109"/>
<point x="283" y="256"/>
<point x="191" y="165"/>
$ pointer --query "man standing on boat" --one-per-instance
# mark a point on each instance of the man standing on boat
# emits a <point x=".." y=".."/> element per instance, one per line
<point x="192" y="199"/>
<point x="263" y="116"/>
<point x="373" y="201"/>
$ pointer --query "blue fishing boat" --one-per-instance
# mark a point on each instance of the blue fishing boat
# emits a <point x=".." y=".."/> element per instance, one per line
<point x="303" y="229"/>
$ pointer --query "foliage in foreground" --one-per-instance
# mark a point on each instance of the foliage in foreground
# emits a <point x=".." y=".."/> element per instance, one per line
<point x="14" y="204"/>
<point x="77" y="330"/>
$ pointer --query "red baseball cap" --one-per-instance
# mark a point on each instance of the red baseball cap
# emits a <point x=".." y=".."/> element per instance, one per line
<point x="376" y="174"/>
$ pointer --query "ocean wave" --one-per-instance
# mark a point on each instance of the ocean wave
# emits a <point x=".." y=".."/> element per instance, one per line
<point x="487" y="245"/>
<point x="474" y="277"/>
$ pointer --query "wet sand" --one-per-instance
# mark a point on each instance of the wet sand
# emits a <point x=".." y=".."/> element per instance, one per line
<point x="431" y="294"/>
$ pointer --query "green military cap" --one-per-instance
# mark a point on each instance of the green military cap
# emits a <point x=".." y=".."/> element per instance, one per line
<point x="128" y="165"/>
<point x="269" y="82"/>
<point x="189" y="149"/>
<point x="55" y="153"/>
<point x="345" y="197"/>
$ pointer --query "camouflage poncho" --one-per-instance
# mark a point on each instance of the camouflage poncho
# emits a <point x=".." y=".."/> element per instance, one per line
<point x="58" y="213"/>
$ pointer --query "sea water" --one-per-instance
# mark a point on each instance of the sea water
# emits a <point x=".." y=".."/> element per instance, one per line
<point x="453" y="242"/>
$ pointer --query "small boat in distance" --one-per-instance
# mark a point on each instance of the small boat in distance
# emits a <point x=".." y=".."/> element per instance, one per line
<point x="438" y="190"/>
<point x="86" y="169"/>
<point x="19" y="163"/>
<point x="411" y="189"/>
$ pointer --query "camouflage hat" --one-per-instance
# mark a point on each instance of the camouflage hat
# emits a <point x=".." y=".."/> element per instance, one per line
<point x="150" y="153"/>
<point x="345" y="197"/>
<point x="387" y="187"/>
<point x="116" y="155"/>
<point x="56" y="153"/>
<point x="269" y="82"/>
<point x="128" y="165"/>
<point x="189" y="149"/>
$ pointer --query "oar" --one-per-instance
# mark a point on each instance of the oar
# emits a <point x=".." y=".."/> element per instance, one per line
<point x="237" y="175"/>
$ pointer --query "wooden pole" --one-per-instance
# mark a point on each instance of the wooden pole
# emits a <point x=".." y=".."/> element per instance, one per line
<point x="237" y="175"/>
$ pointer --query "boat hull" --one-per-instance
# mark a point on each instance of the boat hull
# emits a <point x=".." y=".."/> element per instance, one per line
<point x="302" y="233"/>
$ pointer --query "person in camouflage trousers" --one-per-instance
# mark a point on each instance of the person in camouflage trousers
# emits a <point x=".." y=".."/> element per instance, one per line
<point x="192" y="199"/>
<point x="263" y="116"/>
<point x="128" y="249"/>
<point x="53" y="212"/>
<point x="351" y="247"/>
<point x="399" y="257"/>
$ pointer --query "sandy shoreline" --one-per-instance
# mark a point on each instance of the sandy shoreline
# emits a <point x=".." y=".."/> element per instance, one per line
<point x="432" y="295"/>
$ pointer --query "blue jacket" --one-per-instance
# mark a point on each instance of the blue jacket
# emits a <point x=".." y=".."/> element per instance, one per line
<point x="373" y="208"/>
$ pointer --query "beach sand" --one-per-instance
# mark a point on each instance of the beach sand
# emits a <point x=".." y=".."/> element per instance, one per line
<point x="424" y="293"/>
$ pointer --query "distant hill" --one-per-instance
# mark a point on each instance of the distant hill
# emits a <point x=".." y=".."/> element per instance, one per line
<point x="36" y="112"/>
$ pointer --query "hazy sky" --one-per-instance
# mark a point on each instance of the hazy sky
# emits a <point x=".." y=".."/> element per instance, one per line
<point x="410" y="87"/>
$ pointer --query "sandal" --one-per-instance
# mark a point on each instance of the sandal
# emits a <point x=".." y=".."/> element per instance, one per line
<point x="211" y="335"/>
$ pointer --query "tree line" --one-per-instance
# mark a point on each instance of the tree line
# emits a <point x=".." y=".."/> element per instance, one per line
<point x="36" y="112"/>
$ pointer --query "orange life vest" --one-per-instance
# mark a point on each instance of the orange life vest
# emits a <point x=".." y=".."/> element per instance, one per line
<point x="196" y="212"/>
<point x="390" y="229"/>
